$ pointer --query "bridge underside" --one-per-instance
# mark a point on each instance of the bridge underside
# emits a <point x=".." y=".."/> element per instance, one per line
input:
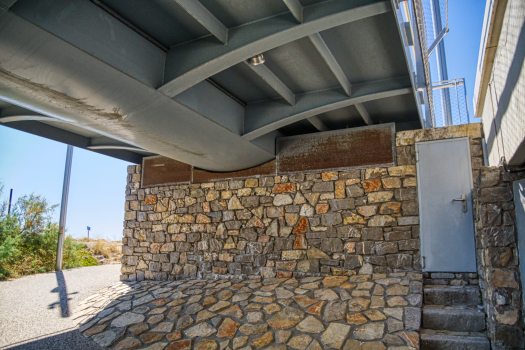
<point x="175" y="77"/>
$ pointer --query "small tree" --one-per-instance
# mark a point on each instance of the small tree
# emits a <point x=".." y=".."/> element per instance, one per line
<point x="28" y="239"/>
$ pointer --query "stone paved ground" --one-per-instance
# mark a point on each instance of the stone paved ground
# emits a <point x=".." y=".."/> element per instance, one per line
<point x="368" y="312"/>
<point x="35" y="311"/>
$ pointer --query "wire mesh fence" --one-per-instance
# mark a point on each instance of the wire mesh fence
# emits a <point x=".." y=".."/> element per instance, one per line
<point x="429" y="8"/>
<point x="450" y="102"/>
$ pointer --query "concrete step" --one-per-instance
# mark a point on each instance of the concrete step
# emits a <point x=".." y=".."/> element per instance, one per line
<point x="453" y="319"/>
<point x="452" y="295"/>
<point x="445" y="341"/>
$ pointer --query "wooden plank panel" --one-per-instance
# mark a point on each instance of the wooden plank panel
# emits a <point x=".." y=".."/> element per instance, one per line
<point x="337" y="150"/>
<point x="266" y="169"/>
<point x="157" y="171"/>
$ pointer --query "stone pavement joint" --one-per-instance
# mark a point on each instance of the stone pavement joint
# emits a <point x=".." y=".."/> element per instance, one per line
<point x="367" y="312"/>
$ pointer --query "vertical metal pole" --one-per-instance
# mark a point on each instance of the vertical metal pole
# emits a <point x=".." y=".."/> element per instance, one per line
<point x="10" y="199"/>
<point x="466" y="101"/>
<point x="442" y="63"/>
<point x="457" y="98"/>
<point x="63" y="208"/>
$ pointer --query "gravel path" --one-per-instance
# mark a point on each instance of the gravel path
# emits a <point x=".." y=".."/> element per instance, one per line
<point x="35" y="310"/>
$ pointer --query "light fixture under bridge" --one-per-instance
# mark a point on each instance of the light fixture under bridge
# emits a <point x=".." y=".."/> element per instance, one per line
<point x="257" y="59"/>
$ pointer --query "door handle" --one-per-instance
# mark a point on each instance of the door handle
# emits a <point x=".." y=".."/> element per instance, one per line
<point x="464" y="200"/>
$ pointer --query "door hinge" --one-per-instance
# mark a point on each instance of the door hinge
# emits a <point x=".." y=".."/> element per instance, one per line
<point x="423" y="262"/>
<point x="417" y="156"/>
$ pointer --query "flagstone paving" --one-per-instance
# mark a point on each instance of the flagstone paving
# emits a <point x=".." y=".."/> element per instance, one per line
<point x="368" y="312"/>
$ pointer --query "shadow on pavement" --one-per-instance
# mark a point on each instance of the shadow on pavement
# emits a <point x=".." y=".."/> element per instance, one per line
<point x="71" y="340"/>
<point x="62" y="294"/>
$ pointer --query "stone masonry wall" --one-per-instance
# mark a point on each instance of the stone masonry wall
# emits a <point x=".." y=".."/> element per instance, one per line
<point x="497" y="256"/>
<point x="323" y="223"/>
<point x="326" y="223"/>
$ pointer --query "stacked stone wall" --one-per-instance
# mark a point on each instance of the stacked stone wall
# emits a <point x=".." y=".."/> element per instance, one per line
<point x="326" y="223"/>
<point x="337" y="223"/>
<point x="497" y="257"/>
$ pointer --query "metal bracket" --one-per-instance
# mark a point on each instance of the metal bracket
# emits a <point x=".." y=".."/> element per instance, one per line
<point x="464" y="200"/>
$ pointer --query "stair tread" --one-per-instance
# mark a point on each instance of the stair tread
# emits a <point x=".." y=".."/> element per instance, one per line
<point x="444" y="286"/>
<point x="451" y="310"/>
<point x="431" y="333"/>
<point x="470" y="338"/>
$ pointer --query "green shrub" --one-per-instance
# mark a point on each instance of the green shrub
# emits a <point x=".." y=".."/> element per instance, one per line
<point x="28" y="240"/>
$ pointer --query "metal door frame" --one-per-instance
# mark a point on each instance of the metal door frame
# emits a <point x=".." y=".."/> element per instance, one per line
<point x="471" y="182"/>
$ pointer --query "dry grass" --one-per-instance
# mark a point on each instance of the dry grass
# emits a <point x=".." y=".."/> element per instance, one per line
<point x="110" y="250"/>
<point x="105" y="248"/>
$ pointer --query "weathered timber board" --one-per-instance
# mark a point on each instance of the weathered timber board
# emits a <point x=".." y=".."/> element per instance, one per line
<point x="336" y="150"/>
<point x="266" y="169"/>
<point x="162" y="170"/>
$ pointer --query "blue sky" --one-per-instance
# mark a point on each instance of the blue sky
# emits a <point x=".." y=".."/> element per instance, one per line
<point x="462" y="43"/>
<point x="31" y="164"/>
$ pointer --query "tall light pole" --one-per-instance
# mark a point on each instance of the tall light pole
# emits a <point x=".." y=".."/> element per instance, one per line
<point x="63" y="208"/>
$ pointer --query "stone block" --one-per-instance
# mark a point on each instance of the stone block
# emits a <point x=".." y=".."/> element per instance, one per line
<point x="497" y="236"/>
<point x="348" y="232"/>
<point x="406" y="194"/>
<point x="342" y="204"/>
<point x="308" y="266"/>
<point x="408" y="220"/>
<point x="410" y="208"/>
<point x="293" y="254"/>
<point x="391" y="182"/>
<point x="496" y="194"/>
<point x="390" y="208"/>
<point x="375" y="173"/>
<point x="273" y="212"/>
<point x="371" y="185"/>
<point x="409" y="244"/>
<point x="372" y="234"/>
<point x="383" y="248"/>
<point x="380" y="196"/>
<point x="331" y="219"/>
<point x="354" y="191"/>
<point x="323" y="187"/>
<point x="399" y="261"/>
<point x="353" y="261"/>
<point x="503" y="278"/>
<point x="382" y="220"/>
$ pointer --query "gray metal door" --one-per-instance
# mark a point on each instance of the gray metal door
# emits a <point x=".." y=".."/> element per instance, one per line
<point x="444" y="175"/>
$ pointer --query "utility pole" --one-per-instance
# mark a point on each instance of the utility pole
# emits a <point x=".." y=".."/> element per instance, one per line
<point x="63" y="208"/>
<point x="10" y="199"/>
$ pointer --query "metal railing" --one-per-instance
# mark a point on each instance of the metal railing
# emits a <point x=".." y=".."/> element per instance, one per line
<point x="450" y="102"/>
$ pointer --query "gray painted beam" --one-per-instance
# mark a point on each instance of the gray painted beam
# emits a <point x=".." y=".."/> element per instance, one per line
<point x="364" y="113"/>
<point x="6" y="4"/>
<point x="206" y="18"/>
<point x="330" y="60"/>
<point x="191" y="63"/>
<point x="264" y="117"/>
<point x="128" y="148"/>
<point x="273" y="81"/>
<point x="319" y="125"/>
<point x="336" y="69"/>
<point x="20" y="118"/>
<point x="91" y="29"/>
<point x="109" y="102"/>
<point x="296" y="9"/>
<point x="50" y="132"/>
